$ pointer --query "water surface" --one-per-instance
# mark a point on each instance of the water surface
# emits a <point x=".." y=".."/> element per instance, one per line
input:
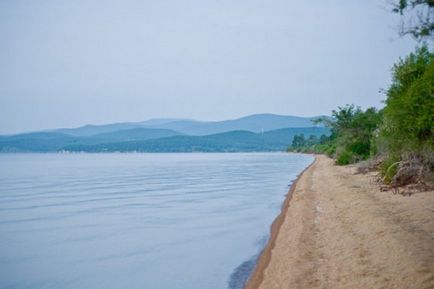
<point x="148" y="221"/>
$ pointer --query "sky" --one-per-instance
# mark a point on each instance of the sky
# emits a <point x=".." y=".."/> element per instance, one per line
<point x="71" y="63"/>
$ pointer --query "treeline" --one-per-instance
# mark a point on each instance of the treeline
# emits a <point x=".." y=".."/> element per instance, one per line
<point x="399" y="137"/>
<point x="310" y="144"/>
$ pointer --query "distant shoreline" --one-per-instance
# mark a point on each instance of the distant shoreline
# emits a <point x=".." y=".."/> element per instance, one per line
<point x="112" y="138"/>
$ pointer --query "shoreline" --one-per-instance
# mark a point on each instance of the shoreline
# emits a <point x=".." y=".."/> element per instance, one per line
<point x="338" y="230"/>
<point x="264" y="259"/>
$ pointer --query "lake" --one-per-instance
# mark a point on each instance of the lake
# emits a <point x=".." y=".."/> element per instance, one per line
<point x="148" y="221"/>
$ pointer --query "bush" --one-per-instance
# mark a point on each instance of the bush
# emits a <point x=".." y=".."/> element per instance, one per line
<point x="345" y="158"/>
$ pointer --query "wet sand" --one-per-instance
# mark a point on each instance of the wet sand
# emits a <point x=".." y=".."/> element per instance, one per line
<point x="338" y="230"/>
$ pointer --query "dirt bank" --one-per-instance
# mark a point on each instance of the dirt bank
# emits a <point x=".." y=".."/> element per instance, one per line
<point x="340" y="231"/>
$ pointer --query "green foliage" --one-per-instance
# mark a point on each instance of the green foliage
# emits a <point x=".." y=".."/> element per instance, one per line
<point x="330" y="149"/>
<point x="300" y="141"/>
<point x="351" y="135"/>
<point x="352" y="131"/>
<point x="388" y="169"/>
<point x="407" y="131"/>
<point x="409" y="112"/>
<point x="345" y="158"/>
<point x="313" y="144"/>
<point x="419" y="20"/>
<point x="401" y="135"/>
<point x="351" y="139"/>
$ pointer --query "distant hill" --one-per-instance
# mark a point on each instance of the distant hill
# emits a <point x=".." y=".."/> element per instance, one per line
<point x="134" y="134"/>
<point x="259" y="132"/>
<point x="162" y="121"/>
<point x="89" y="130"/>
<point x="55" y="141"/>
<point x="252" y="123"/>
<point x="35" y="142"/>
<point x="234" y="141"/>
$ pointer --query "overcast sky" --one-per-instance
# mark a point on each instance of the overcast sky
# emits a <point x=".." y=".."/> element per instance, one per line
<point x="70" y="63"/>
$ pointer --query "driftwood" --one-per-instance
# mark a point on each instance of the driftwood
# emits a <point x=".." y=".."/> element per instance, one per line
<point x="412" y="175"/>
<point x="412" y="171"/>
<point x="368" y="166"/>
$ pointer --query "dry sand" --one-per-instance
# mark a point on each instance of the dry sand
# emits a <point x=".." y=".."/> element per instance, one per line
<point x="340" y="231"/>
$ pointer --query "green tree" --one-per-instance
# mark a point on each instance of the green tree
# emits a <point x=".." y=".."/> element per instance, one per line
<point x="312" y="140"/>
<point x="409" y="111"/>
<point x="323" y="139"/>
<point x="299" y="141"/>
<point x="352" y="133"/>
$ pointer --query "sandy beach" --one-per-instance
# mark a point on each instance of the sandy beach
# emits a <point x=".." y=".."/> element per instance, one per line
<point x="338" y="230"/>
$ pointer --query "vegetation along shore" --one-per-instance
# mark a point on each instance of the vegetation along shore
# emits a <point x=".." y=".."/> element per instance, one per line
<point x="362" y="216"/>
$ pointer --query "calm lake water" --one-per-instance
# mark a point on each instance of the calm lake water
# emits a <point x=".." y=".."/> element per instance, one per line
<point x="148" y="221"/>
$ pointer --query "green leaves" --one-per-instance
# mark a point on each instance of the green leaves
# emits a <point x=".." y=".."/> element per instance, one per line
<point x="409" y="111"/>
<point x="354" y="129"/>
<point x="407" y="132"/>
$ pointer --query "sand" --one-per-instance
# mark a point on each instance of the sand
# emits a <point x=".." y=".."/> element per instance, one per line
<point x="338" y="230"/>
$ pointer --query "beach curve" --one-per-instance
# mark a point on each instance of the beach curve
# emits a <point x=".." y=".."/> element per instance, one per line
<point x="338" y="230"/>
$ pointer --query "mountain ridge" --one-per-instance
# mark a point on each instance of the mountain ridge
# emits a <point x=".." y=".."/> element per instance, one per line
<point x="232" y="141"/>
<point x="260" y="132"/>
<point x="255" y="123"/>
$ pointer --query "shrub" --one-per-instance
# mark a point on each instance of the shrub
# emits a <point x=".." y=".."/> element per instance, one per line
<point x="345" y="158"/>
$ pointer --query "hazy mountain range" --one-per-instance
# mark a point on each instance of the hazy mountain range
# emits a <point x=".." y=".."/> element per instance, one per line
<point x="260" y="132"/>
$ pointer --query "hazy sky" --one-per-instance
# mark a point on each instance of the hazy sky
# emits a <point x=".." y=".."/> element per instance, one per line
<point x="69" y="63"/>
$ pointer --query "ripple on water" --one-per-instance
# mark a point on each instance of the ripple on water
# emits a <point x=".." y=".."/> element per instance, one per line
<point x="138" y="220"/>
